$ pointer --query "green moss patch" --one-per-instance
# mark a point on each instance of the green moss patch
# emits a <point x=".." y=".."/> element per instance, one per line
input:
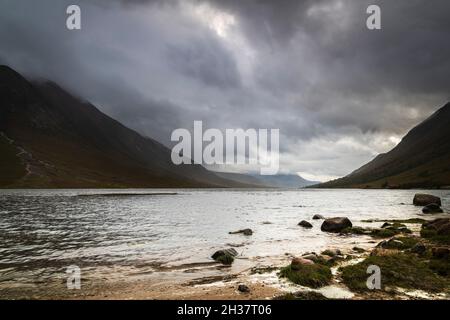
<point x="441" y="267"/>
<point x="376" y="233"/>
<point x="397" y="270"/>
<point x="384" y="233"/>
<point x="355" y="230"/>
<point x="432" y="235"/>
<point x="302" y="295"/>
<point x="402" y="243"/>
<point x="313" y="276"/>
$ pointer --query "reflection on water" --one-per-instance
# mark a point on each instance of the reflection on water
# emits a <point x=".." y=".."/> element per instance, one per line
<point x="44" y="231"/>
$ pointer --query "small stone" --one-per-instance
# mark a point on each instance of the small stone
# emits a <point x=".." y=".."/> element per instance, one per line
<point x="311" y="256"/>
<point x="305" y="224"/>
<point x="297" y="262"/>
<point x="332" y="252"/>
<point x="386" y="224"/>
<point x="318" y="217"/>
<point x="243" y="288"/>
<point x="245" y="232"/>
<point x="419" y="248"/>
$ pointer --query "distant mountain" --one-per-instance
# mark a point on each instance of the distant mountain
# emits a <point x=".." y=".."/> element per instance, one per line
<point x="49" y="138"/>
<point x="273" y="181"/>
<point x="420" y="160"/>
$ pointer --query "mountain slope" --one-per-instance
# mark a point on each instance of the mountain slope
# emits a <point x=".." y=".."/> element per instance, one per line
<point x="49" y="138"/>
<point x="420" y="160"/>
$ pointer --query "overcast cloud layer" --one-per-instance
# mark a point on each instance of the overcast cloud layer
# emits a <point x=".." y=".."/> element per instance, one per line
<point x="338" y="92"/>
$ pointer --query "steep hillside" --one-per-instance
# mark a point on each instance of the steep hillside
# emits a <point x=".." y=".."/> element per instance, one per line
<point x="420" y="160"/>
<point x="49" y="138"/>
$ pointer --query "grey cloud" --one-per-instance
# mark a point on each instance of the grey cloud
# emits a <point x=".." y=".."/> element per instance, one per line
<point x="208" y="64"/>
<point x="336" y="90"/>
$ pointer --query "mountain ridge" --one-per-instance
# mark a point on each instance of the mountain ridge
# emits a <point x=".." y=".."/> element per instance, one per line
<point x="420" y="160"/>
<point x="50" y="138"/>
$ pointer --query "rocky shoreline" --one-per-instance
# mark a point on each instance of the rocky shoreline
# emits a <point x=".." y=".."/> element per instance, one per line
<point x="402" y="257"/>
<point x="412" y="254"/>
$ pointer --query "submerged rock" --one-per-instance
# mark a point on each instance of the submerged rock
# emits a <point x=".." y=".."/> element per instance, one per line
<point x="225" y="256"/>
<point x="245" y="232"/>
<point x="318" y="217"/>
<point x="422" y="199"/>
<point x="305" y="224"/>
<point x="336" y="224"/>
<point x="432" y="208"/>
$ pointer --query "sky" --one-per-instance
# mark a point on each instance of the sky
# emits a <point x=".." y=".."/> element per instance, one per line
<point x="339" y="93"/>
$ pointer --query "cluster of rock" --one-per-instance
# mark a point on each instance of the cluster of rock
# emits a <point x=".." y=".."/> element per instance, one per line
<point x="226" y="256"/>
<point x="328" y="256"/>
<point x="336" y="224"/>
<point x="430" y="203"/>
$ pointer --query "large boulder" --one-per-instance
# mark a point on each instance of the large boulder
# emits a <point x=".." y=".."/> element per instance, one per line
<point x="336" y="224"/>
<point x="432" y="208"/>
<point x="422" y="199"/>
<point x="305" y="224"/>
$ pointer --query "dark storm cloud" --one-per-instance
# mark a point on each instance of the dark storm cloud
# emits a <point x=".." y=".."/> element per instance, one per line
<point x="208" y="64"/>
<point x="338" y="92"/>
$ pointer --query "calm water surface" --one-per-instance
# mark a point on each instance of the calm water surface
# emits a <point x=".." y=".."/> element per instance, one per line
<point x="44" y="231"/>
